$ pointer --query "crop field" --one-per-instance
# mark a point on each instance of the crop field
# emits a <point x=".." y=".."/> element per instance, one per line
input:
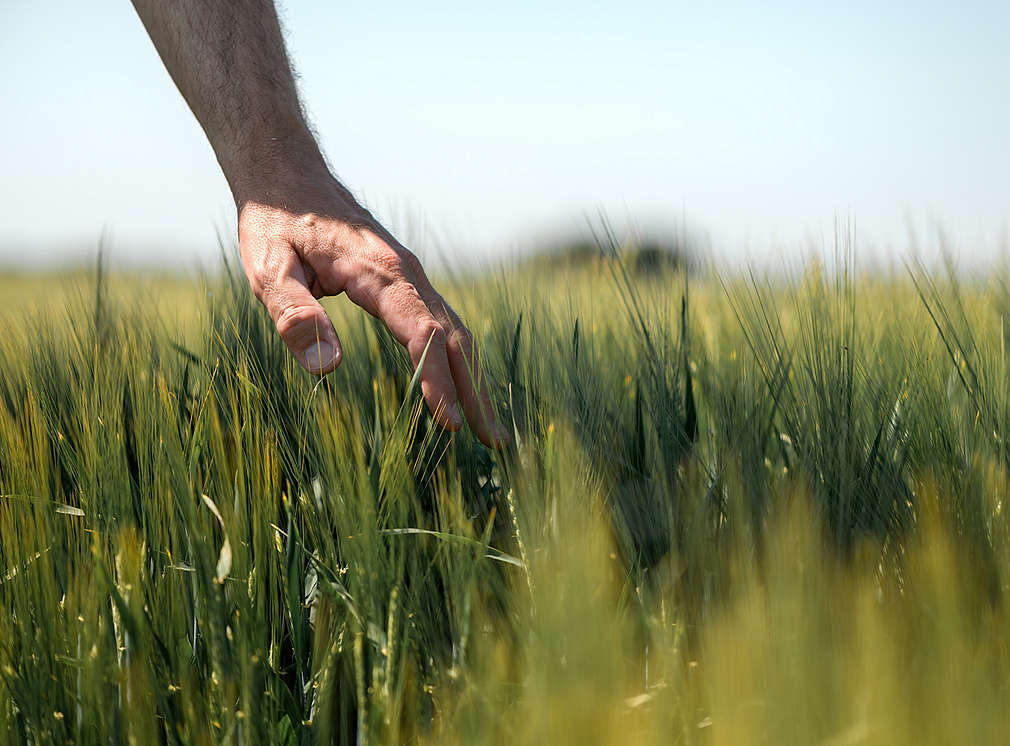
<point x="737" y="509"/>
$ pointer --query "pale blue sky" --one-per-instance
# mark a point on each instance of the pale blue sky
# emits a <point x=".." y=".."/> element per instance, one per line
<point x="493" y="124"/>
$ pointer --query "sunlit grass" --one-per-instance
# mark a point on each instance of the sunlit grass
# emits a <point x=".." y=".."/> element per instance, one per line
<point x="737" y="510"/>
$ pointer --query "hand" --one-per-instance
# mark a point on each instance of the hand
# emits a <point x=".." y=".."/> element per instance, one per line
<point x="303" y="242"/>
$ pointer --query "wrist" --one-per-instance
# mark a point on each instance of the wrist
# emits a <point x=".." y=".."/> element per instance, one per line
<point x="269" y="166"/>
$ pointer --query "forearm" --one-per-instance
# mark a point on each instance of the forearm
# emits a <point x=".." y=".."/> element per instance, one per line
<point x="228" y="61"/>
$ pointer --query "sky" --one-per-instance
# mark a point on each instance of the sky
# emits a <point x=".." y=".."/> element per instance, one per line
<point x="477" y="130"/>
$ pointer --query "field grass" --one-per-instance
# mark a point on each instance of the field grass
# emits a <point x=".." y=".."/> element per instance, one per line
<point x="738" y="510"/>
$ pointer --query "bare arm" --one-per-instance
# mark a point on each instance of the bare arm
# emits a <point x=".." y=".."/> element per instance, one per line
<point x="302" y="235"/>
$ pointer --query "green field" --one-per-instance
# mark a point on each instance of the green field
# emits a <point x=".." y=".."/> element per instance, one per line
<point x="738" y="510"/>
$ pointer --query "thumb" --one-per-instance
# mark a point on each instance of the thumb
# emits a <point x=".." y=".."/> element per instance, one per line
<point x="303" y="325"/>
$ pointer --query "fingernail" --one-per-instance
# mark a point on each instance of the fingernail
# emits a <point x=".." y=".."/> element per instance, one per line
<point x="319" y="356"/>
<point x="454" y="414"/>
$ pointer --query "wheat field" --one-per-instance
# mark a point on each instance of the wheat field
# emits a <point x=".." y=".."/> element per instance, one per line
<point x="738" y="508"/>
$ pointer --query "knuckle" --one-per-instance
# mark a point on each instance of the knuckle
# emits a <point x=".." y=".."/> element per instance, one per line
<point x="308" y="221"/>
<point x="428" y="334"/>
<point x="294" y="318"/>
<point x="431" y="329"/>
<point x="386" y="263"/>
<point x="460" y="340"/>
<point x="390" y="263"/>
<point x="401" y="297"/>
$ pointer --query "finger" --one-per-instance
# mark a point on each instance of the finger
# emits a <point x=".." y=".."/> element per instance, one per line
<point x="471" y="386"/>
<point x="409" y="320"/>
<point x="383" y="281"/>
<point x="302" y="323"/>
<point x="429" y="343"/>
<point x="464" y="362"/>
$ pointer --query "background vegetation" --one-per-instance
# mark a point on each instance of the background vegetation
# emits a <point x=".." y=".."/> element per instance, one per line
<point x="737" y="510"/>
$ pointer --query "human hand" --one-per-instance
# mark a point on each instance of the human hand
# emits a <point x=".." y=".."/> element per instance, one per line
<point x="307" y="239"/>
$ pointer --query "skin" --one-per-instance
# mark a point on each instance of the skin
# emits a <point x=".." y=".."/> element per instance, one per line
<point x="302" y="235"/>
